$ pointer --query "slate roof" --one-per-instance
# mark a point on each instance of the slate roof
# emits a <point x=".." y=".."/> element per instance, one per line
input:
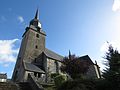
<point x="86" y="59"/>
<point x="3" y="76"/>
<point x="53" y="55"/>
<point x="32" y="68"/>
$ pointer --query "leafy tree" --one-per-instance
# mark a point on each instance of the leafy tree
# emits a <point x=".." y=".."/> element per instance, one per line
<point x="73" y="66"/>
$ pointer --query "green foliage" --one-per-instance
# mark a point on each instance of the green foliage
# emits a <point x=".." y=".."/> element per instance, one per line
<point x="112" y="73"/>
<point x="73" y="66"/>
<point x="103" y="84"/>
<point x="113" y="59"/>
<point x="49" y="87"/>
<point x="53" y="75"/>
<point x="78" y="85"/>
<point x="59" y="80"/>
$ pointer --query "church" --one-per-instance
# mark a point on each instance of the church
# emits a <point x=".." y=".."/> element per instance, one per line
<point x="34" y="58"/>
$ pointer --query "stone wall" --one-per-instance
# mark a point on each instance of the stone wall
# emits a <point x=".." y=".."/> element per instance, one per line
<point x="92" y="72"/>
<point x="33" y="82"/>
<point x="8" y="86"/>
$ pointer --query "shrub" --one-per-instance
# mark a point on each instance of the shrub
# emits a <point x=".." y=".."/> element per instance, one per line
<point x="53" y="75"/>
<point x="59" y="80"/>
<point x="78" y="85"/>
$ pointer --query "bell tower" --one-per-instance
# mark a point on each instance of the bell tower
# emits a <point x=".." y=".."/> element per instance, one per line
<point x="33" y="42"/>
<point x="32" y="45"/>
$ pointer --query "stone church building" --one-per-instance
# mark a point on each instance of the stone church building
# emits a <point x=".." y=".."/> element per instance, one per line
<point x="34" y="58"/>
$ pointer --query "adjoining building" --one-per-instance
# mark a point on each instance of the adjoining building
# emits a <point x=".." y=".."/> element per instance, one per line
<point x="3" y="77"/>
<point x="34" y="58"/>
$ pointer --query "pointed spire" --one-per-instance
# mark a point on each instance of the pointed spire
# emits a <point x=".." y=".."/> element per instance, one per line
<point x="35" y="22"/>
<point x="69" y="54"/>
<point x="37" y="14"/>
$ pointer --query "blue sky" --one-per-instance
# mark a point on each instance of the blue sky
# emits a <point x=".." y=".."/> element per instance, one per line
<point x="82" y="26"/>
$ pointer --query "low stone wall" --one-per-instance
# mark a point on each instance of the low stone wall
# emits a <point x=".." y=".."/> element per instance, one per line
<point x="8" y="86"/>
<point x="32" y="80"/>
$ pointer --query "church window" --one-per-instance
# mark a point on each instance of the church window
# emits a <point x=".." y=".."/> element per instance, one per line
<point x="35" y="60"/>
<point x="37" y="35"/>
<point x="35" y="74"/>
<point x="36" y="47"/>
<point x="57" y="67"/>
<point x="39" y="75"/>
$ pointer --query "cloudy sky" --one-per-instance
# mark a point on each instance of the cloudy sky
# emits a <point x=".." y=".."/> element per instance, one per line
<point x="82" y="26"/>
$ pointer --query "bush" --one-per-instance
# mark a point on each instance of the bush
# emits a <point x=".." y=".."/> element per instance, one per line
<point x="104" y="84"/>
<point x="78" y="85"/>
<point x="73" y="66"/>
<point x="53" y="75"/>
<point x="59" y="80"/>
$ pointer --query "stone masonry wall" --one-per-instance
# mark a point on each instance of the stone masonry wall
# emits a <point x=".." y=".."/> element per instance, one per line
<point x="8" y="86"/>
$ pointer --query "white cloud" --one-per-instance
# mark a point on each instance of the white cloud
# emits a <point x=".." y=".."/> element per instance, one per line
<point x="8" y="52"/>
<point x="6" y="65"/>
<point x="116" y="5"/>
<point x="20" y="18"/>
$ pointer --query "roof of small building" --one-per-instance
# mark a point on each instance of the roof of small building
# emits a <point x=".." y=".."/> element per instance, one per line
<point x="53" y="55"/>
<point x="3" y="76"/>
<point x="86" y="59"/>
<point x="33" y="68"/>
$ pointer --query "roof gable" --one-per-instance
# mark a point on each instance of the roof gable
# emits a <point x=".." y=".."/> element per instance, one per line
<point x="86" y="59"/>
<point x="53" y="55"/>
<point x="32" y="67"/>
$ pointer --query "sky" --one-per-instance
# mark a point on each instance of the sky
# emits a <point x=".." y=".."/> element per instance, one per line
<point x="81" y="26"/>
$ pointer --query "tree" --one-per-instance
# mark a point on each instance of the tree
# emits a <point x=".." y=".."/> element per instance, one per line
<point x="73" y="66"/>
<point x="112" y="72"/>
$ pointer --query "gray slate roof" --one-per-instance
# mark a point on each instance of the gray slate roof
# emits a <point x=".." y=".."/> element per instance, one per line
<point x="3" y="76"/>
<point x="32" y="68"/>
<point x="87" y="59"/>
<point x="53" y="55"/>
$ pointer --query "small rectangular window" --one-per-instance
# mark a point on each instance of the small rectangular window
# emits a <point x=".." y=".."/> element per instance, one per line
<point x="37" y="35"/>
<point x="36" y="47"/>
<point x="35" y="60"/>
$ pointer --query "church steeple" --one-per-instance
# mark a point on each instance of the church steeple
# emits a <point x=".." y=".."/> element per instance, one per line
<point x="35" y="23"/>
<point x="69" y="54"/>
<point x="37" y="15"/>
<point x="33" y="45"/>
